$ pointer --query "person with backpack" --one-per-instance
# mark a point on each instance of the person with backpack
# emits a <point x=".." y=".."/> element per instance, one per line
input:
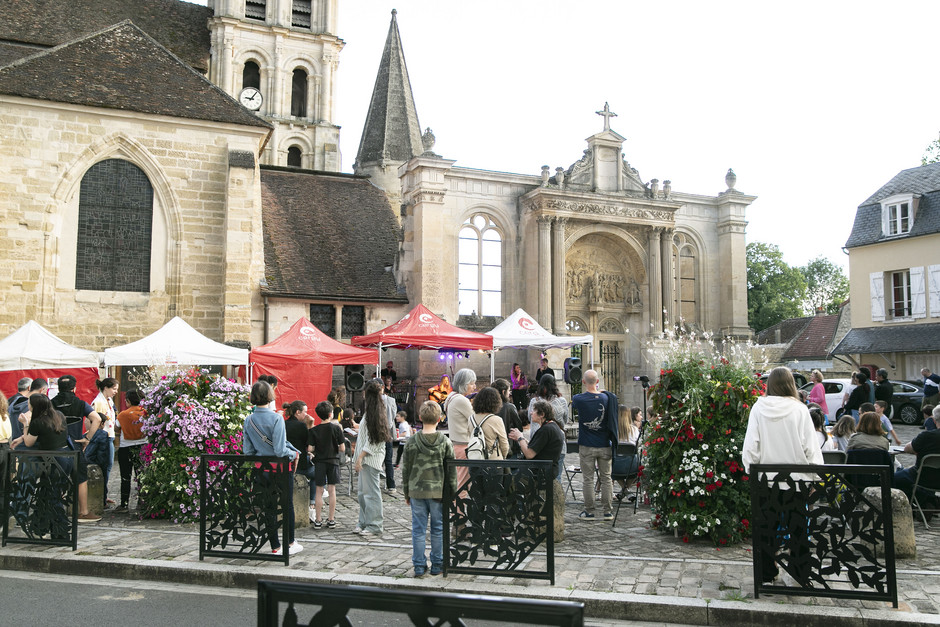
<point x="486" y="427"/>
<point x="597" y="438"/>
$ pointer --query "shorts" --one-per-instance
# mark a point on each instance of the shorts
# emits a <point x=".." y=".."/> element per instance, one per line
<point x="327" y="474"/>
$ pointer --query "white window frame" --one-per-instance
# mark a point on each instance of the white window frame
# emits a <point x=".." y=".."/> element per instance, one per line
<point x="897" y="215"/>
<point x="482" y="261"/>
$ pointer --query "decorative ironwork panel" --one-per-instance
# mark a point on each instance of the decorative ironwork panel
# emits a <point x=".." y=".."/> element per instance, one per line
<point x="323" y="317"/>
<point x="813" y="524"/>
<point x="610" y="365"/>
<point x="41" y="493"/>
<point x="115" y="215"/>
<point x="420" y="607"/>
<point x="502" y="512"/>
<point x="354" y="320"/>
<point x="242" y="501"/>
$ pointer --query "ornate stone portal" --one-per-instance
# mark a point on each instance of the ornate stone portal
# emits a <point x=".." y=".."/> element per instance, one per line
<point x="598" y="274"/>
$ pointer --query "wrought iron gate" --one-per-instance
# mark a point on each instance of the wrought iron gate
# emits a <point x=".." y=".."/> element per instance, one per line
<point x="611" y="366"/>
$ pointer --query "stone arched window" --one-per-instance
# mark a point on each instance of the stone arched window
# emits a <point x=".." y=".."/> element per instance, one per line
<point x="298" y="94"/>
<point x="251" y="75"/>
<point x="611" y="326"/>
<point x="685" y="265"/>
<point x="294" y="156"/>
<point x="115" y="216"/>
<point x="480" y="268"/>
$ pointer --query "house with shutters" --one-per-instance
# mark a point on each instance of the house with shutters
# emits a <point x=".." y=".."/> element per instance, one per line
<point x="894" y="272"/>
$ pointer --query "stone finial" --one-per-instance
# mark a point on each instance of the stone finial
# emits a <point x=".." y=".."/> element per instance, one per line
<point x="731" y="178"/>
<point x="546" y="174"/>
<point x="667" y="188"/>
<point x="428" y="139"/>
<point x="560" y="176"/>
<point x="654" y="187"/>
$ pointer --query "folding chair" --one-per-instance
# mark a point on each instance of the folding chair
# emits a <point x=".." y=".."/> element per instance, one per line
<point x="867" y="457"/>
<point x="572" y="470"/>
<point x="834" y="457"/>
<point x="627" y="451"/>
<point x="931" y="461"/>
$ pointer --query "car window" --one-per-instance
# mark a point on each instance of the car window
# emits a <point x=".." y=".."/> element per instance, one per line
<point x="832" y="388"/>
<point x="903" y="388"/>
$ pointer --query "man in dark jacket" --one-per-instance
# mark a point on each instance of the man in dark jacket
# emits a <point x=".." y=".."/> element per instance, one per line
<point x="884" y="391"/>
<point x="36" y="386"/>
<point x="597" y="437"/>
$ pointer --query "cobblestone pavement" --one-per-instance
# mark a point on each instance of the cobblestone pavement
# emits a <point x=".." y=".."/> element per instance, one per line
<point x="629" y="558"/>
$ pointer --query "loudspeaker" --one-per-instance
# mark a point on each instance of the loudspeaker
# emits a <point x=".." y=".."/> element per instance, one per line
<point x="573" y="370"/>
<point x="355" y="378"/>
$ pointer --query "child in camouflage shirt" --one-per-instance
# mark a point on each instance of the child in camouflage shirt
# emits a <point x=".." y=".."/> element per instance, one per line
<point x="423" y="485"/>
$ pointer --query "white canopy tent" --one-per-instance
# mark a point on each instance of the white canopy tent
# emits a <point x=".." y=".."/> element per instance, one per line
<point x="32" y="347"/>
<point x="175" y="343"/>
<point x="520" y="330"/>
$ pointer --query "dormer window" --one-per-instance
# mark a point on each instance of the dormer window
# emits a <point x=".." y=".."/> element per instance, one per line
<point x="897" y="214"/>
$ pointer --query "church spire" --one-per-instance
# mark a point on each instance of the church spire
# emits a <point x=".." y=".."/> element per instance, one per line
<point x="392" y="131"/>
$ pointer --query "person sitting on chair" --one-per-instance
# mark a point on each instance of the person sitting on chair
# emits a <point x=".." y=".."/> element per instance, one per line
<point x="628" y="432"/>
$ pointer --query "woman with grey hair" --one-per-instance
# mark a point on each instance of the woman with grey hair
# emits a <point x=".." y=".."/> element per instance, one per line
<point x="459" y="409"/>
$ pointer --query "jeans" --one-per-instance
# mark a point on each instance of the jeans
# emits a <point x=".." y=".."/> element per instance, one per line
<point x="601" y="457"/>
<point x="420" y="510"/>
<point x="265" y="483"/>
<point x="389" y="467"/>
<point x="561" y="466"/>
<point x="904" y="481"/>
<point x="129" y="461"/>
<point x="106" y="470"/>
<point x="370" y="500"/>
<point x="311" y="475"/>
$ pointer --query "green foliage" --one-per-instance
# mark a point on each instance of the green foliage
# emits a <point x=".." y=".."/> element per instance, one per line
<point x="693" y="473"/>
<point x="186" y="414"/>
<point x="826" y="285"/>
<point x="775" y="291"/>
<point x="932" y="153"/>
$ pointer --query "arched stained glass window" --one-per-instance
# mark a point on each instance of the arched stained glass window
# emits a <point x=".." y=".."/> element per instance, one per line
<point x="479" y="269"/>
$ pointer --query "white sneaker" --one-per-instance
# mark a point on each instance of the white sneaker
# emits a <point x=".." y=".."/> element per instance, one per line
<point x="313" y="515"/>
<point x="295" y="548"/>
<point x="278" y="551"/>
<point x="358" y="530"/>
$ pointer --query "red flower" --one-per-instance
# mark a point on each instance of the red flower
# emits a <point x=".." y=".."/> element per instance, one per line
<point x="685" y="539"/>
<point x="709" y="474"/>
<point x="718" y="483"/>
<point x="722" y="541"/>
<point x="701" y="436"/>
<point x="745" y="522"/>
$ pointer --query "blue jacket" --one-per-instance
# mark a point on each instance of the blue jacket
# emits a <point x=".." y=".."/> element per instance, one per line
<point x="597" y="419"/>
<point x="98" y="448"/>
<point x="271" y="425"/>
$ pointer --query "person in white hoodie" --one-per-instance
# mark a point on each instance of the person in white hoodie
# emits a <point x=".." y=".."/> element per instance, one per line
<point x="780" y="431"/>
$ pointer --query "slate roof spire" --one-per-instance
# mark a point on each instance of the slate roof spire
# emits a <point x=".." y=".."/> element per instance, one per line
<point x="391" y="131"/>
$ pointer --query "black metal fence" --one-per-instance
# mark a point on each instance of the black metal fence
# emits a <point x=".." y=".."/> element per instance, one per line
<point x="610" y="366"/>
<point x="502" y="512"/>
<point x="40" y="491"/>
<point x="242" y="505"/>
<point x="815" y="526"/>
<point x="422" y="608"/>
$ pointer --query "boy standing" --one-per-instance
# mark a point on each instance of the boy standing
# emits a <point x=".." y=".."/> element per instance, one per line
<point x="423" y="485"/>
<point x="327" y="444"/>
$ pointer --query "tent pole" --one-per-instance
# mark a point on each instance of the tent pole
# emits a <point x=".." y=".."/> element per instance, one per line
<point x="492" y="366"/>
<point x="591" y="346"/>
<point x="378" y="364"/>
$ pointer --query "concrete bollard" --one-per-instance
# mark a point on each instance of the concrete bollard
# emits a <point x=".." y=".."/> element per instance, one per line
<point x="558" y="500"/>
<point x="301" y="501"/>
<point x="95" y="489"/>
<point x="905" y="544"/>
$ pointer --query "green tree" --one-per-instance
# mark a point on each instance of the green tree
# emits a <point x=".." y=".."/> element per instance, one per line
<point x="932" y="154"/>
<point x="826" y="286"/>
<point x="775" y="291"/>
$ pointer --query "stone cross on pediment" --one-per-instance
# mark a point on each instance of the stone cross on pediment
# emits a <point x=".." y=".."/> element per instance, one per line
<point x="606" y="113"/>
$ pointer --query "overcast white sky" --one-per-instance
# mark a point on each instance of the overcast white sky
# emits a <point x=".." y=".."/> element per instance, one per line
<point x="814" y="104"/>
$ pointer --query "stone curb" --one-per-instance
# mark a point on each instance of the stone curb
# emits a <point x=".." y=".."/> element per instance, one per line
<point x="599" y="605"/>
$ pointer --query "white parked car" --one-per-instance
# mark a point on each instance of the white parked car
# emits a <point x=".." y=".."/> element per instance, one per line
<point x="836" y="389"/>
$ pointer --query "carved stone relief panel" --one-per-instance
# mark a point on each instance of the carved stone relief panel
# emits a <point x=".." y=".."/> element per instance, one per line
<point x="599" y="273"/>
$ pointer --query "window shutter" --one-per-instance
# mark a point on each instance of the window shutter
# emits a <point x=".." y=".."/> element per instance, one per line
<point x="885" y="220"/>
<point x="877" y="296"/>
<point x="918" y="304"/>
<point x="933" y="284"/>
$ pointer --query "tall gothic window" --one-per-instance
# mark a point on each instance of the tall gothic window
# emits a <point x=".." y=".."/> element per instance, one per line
<point x="115" y="219"/>
<point x="479" y="270"/>
<point x="255" y="9"/>
<point x="294" y="156"/>
<point x="685" y="266"/>
<point x="298" y="94"/>
<point x="251" y="75"/>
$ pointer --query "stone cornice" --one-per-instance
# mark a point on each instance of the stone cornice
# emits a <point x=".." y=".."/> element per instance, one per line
<point x="598" y="207"/>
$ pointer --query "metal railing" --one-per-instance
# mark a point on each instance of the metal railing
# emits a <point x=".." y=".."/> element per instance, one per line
<point x="422" y="608"/>
<point x="242" y="505"/>
<point x="502" y="512"/>
<point x="40" y="491"/>
<point x="821" y="530"/>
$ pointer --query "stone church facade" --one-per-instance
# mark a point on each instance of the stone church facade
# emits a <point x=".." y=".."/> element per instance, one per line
<point x="186" y="162"/>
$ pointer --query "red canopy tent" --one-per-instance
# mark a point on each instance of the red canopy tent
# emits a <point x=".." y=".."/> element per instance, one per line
<point x="302" y="359"/>
<point x="422" y="330"/>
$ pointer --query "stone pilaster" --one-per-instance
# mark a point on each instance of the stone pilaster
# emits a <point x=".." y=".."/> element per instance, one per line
<point x="668" y="277"/>
<point x="732" y="263"/>
<point x="558" y="275"/>
<point x="655" y="279"/>
<point x="545" y="271"/>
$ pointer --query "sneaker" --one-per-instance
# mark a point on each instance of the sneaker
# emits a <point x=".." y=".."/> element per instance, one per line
<point x="295" y="548"/>
<point x="608" y="515"/>
<point x="586" y="516"/>
<point x="88" y="518"/>
<point x="317" y="524"/>
<point x="313" y="515"/>
<point x="278" y="551"/>
<point x="358" y="530"/>
<point x="391" y="492"/>
<point x="330" y="524"/>
<point x="419" y="573"/>
<point x="122" y="506"/>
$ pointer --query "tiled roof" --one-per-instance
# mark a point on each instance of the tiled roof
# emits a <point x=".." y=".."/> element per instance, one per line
<point x="789" y="329"/>
<point x="391" y="131"/>
<point x="901" y="338"/>
<point x="122" y="68"/>
<point x="925" y="181"/>
<point x="814" y="340"/>
<point x="180" y="26"/>
<point x="328" y="236"/>
<point x="11" y="52"/>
